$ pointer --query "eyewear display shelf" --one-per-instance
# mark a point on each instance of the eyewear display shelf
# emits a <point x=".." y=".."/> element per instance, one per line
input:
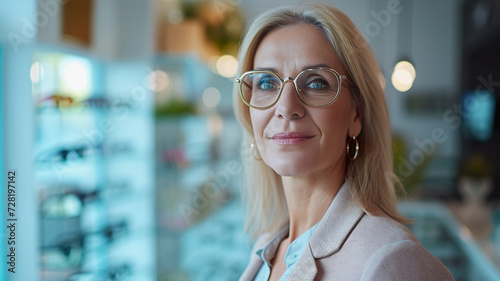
<point x="198" y="175"/>
<point x="92" y="179"/>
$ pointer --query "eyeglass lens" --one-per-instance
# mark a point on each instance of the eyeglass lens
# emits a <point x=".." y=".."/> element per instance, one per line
<point x="315" y="87"/>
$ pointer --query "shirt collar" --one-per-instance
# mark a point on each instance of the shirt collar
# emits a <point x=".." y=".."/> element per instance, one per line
<point x="297" y="246"/>
<point x="268" y="251"/>
<point x="293" y="253"/>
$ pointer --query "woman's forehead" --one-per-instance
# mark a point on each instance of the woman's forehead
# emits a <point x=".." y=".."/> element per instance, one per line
<point x="295" y="48"/>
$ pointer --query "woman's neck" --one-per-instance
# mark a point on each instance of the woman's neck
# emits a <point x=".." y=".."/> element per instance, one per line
<point x="308" y="199"/>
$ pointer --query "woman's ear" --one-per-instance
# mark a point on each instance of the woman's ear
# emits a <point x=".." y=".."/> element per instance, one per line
<point x="356" y="121"/>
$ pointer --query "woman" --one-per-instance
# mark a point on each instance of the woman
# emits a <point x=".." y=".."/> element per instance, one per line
<point x="320" y="191"/>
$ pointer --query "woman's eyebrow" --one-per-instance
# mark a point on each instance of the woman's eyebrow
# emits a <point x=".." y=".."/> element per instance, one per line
<point x="304" y="68"/>
<point x="316" y="66"/>
<point x="266" y="69"/>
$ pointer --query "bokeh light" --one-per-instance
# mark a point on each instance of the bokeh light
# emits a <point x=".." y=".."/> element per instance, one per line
<point x="227" y="66"/>
<point x="76" y="75"/>
<point x="211" y="97"/>
<point x="158" y="80"/>
<point x="403" y="76"/>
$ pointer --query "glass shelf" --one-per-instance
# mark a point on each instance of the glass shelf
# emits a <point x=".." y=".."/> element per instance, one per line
<point x="94" y="161"/>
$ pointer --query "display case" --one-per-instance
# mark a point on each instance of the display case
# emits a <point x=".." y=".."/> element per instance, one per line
<point x="92" y="172"/>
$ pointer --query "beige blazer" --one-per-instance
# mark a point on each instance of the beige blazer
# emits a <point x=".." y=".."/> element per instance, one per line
<point x="349" y="244"/>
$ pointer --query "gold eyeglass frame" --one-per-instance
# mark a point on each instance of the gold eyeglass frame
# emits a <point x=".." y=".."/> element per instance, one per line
<point x="340" y="78"/>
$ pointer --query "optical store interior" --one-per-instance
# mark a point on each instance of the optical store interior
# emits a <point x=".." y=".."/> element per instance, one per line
<point x="119" y="141"/>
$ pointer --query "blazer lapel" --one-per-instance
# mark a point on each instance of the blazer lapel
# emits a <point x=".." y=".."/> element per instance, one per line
<point x="305" y="269"/>
<point x="339" y="220"/>
<point x="334" y="228"/>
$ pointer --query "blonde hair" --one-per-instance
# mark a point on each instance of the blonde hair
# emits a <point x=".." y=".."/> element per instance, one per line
<point x="371" y="177"/>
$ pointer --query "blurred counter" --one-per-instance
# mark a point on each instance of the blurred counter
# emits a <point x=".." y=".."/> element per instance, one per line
<point x="460" y="236"/>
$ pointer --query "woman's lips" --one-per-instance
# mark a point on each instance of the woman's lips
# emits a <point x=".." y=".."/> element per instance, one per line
<point x="288" y="138"/>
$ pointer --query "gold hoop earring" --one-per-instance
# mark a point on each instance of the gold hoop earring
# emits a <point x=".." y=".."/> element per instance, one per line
<point x="357" y="148"/>
<point x="254" y="149"/>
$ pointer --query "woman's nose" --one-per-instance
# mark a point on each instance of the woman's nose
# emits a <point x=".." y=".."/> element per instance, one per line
<point x="289" y="105"/>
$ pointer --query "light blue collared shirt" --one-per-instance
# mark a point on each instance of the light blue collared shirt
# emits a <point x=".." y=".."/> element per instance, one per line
<point x="293" y="253"/>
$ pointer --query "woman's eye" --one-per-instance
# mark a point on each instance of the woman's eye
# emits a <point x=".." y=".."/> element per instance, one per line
<point x="318" y="84"/>
<point x="267" y="84"/>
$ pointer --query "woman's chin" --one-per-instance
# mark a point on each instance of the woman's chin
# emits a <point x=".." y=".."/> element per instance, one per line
<point x="288" y="169"/>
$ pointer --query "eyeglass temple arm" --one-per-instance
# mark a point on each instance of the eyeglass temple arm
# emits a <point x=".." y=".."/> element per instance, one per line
<point x="343" y="77"/>
<point x="238" y="80"/>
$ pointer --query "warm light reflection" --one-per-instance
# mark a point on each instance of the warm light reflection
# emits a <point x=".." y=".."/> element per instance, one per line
<point x="211" y="97"/>
<point x="403" y="76"/>
<point x="227" y="66"/>
<point x="36" y="72"/>
<point x="406" y="65"/>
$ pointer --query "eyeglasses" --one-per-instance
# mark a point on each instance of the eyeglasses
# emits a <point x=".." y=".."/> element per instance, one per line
<point x="316" y="87"/>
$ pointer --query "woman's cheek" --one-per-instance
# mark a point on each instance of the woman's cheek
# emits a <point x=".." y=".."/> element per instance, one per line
<point x="258" y="124"/>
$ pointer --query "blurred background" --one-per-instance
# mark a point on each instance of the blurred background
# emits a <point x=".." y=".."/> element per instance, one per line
<point x="117" y="121"/>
